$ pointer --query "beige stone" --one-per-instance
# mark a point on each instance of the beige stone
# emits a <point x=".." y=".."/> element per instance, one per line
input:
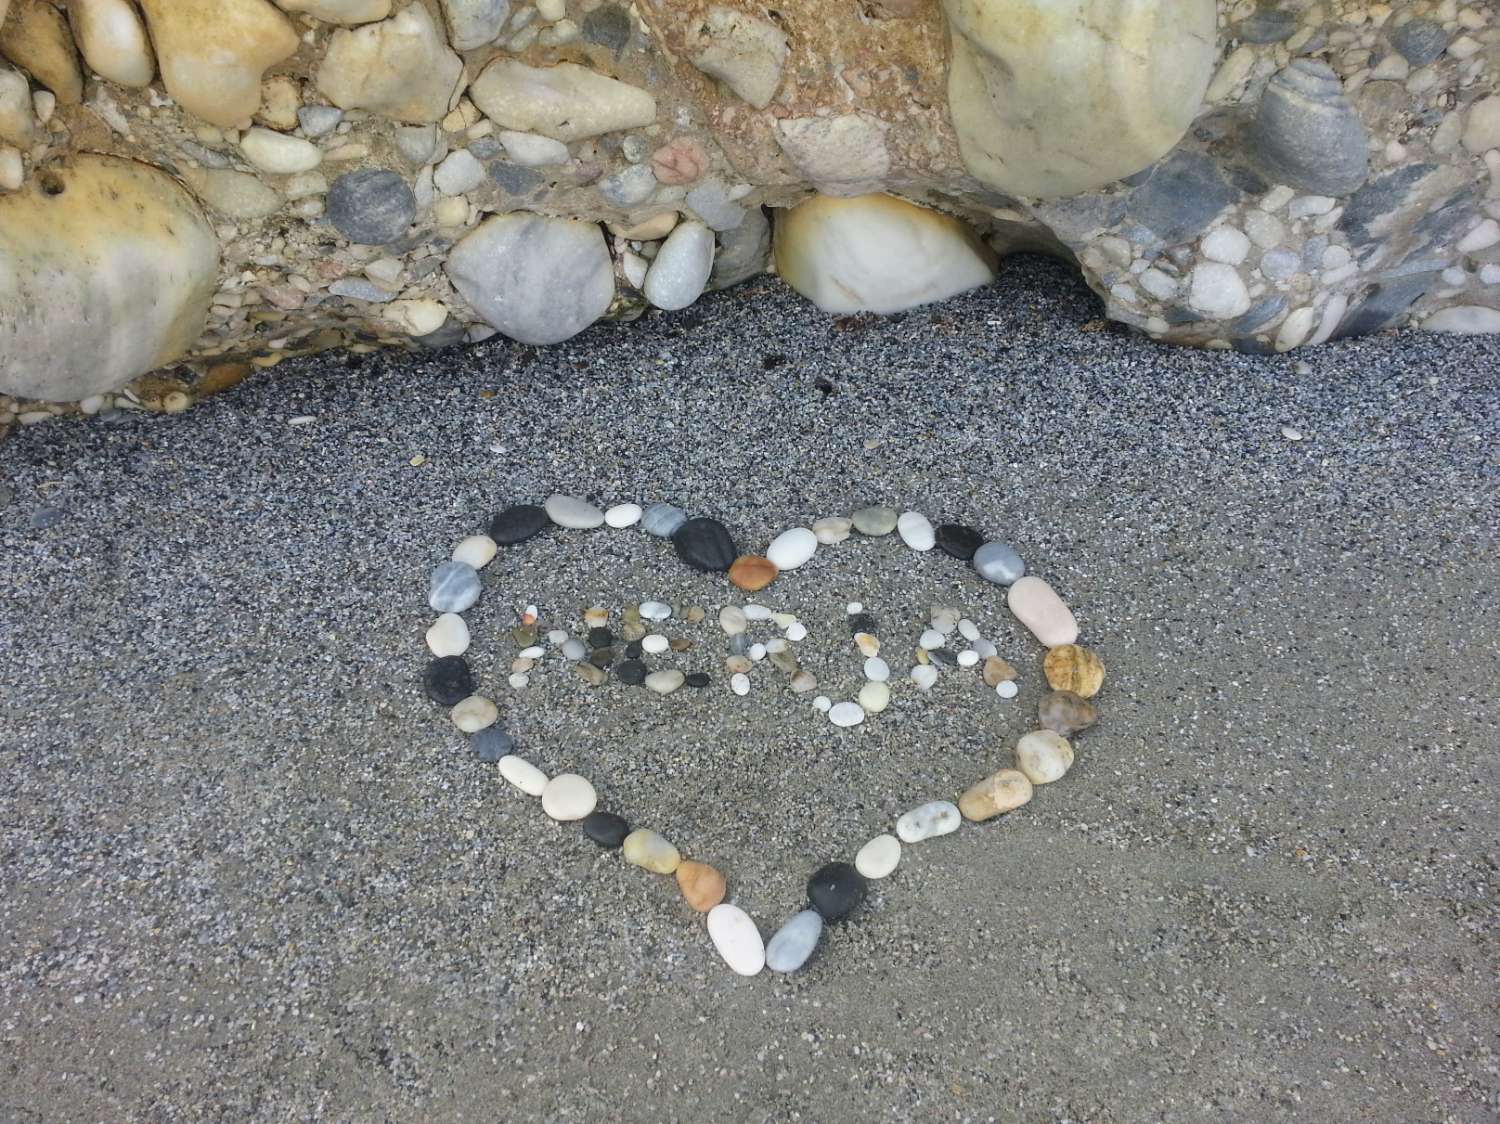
<point x="17" y="119"/>
<point x="702" y="886"/>
<point x="1044" y="756"/>
<point x="566" y="102"/>
<point x="996" y="670"/>
<point x="1001" y="792"/>
<point x="741" y="50"/>
<point x="1037" y="606"/>
<point x="646" y="849"/>
<point x="36" y="38"/>
<point x="340" y="11"/>
<point x="113" y="40"/>
<point x="213" y="53"/>
<point x="400" y="68"/>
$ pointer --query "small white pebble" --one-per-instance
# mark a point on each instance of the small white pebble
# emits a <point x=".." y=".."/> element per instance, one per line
<point x="798" y="631"/>
<point x="656" y="643"/>
<point x="854" y="607"/>
<point x="655" y="610"/>
<point x="776" y="644"/>
<point x="823" y="703"/>
<point x="301" y="419"/>
<point x="739" y="683"/>
<point x="1007" y="689"/>
<point x="557" y="636"/>
<point x="985" y="648"/>
<point x="968" y="629"/>
<point x="754" y="612"/>
<point x="519" y="680"/>
<point x="924" y="675"/>
<point x="968" y="658"/>
<point x="532" y="653"/>
<point x="757" y="652"/>
<point x="1291" y="434"/>
<point x="931" y="639"/>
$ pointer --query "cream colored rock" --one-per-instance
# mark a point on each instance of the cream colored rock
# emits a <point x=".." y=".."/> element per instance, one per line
<point x="278" y="153"/>
<point x="1044" y="756"/>
<point x="743" y="51"/>
<point x="212" y="53"/>
<point x="400" y="68"/>
<point x="646" y="849"/>
<point x="876" y="253"/>
<point x="17" y="119"/>
<point x="566" y="102"/>
<point x="1055" y="97"/>
<point x="1037" y="606"/>
<point x="1000" y="792"/>
<point x="108" y="270"/>
<point x="340" y="11"/>
<point x="842" y="155"/>
<point x="236" y="194"/>
<point x="113" y="40"/>
<point x="35" y="36"/>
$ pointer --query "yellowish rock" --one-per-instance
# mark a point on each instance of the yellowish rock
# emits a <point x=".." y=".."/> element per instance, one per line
<point x="400" y="68"/>
<point x="340" y="11"/>
<point x="113" y="40"/>
<point x="1071" y="667"/>
<point x="36" y="38"/>
<point x="213" y="53"/>
<point x="280" y="98"/>
<point x="702" y="886"/>
<point x="566" y="102"/>
<point x="1002" y="792"/>
<point x="17" y="120"/>
<point x="867" y="643"/>
<point x="646" y="849"/>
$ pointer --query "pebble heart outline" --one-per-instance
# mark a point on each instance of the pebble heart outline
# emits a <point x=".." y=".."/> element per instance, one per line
<point x="837" y="888"/>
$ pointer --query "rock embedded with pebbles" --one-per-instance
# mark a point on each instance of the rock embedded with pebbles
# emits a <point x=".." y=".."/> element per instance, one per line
<point x="474" y="23"/>
<point x="998" y="793"/>
<point x="371" y="206"/>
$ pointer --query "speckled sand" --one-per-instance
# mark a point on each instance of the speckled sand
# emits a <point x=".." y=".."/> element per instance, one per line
<point x="249" y="873"/>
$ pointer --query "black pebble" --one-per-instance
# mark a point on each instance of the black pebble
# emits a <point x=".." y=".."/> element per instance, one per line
<point x="959" y="541"/>
<point x="492" y="743"/>
<point x="600" y="638"/>
<point x="633" y="650"/>
<point x="696" y="679"/>
<point x="632" y="672"/>
<point x="705" y="544"/>
<point x="448" y="680"/>
<point x="944" y="657"/>
<point x="517" y="524"/>
<point x="606" y="828"/>
<point x="836" y="890"/>
<point x="602" y="657"/>
<point x="862" y="622"/>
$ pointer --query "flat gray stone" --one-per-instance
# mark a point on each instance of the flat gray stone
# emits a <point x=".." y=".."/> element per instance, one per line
<point x="372" y="206"/>
<point x="453" y="588"/>
<point x="571" y="511"/>
<point x="662" y="520"/>
<point x="794" y="942"/>
<point x="996" y="562"/>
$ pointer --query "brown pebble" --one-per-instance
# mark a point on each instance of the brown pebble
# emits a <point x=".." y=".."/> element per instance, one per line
<point x="593" y="676"/>
<point x="751" y="572"/>
<point x="738" y="665"/>
<point x="597" y="617"/>
<point x="702" y="886"/>
<point x="680" y="644"/>
<point x="1065" y="713"/>
<point x="997" y="670"/>
<point x="1071" y="667"/>
<point x="695" y="614"/>
<point x="633" y="630"/>
<point x="1000" y="792"/>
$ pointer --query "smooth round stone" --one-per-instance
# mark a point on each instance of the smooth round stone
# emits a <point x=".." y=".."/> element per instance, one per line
<point x="754" y="612"/>
<point x="968" y="658"/>
<point x="518" y="680"/>
<point x="491" y="744"/>
<point x="623" y="515"/>
<point x="705" y="544"/>
<point x="1044" y="756"/>
<point x="822" y="704"/>
<point x="371" y="206"/>
<point x="968" y="629"/>
<point x="474" y="713"/>
<point x="997" y="670"/>
<point x="476" y="551"/>
<point x="958" y="541"/>
<point x="732" y="620"/>
<point x="836" y="890"/>
<point x="523" y="775"/>
<point x="846" y="714"/>
<point x="600" y="637"/>
<point x="517" y="524"/>
<point x="832" y="529"/>
<point x="782" y="660"/>
<point x="557" y="636"/>
<point x="751" y="572"/>
<point x="996" y="562"/>
<point x="1037" y="606"/>
<point x="606" y="829"/>
<point x="568" y="796"/>
<point x="1007" y="689"/>
<point x="925" y="676"/>
<point x="1002" y="792"/>
<point x="448" y="636"/>
<point x="794" y="942"/>
<point x="655" y="610"/>
<point x="757" y="652"/>
<point x="573" y="649"/>
<point x="737" y="939"/>
<point x="665" y="682"/>
<point x="1065" y="713"/>
<point x="875" y="521"/>
<point x="796" y="631"/>
<point x="535" y="652"/>
<point x="571" y="511"/>
<point x="985" y="648"/>
<point x="633" y="650"/>
<point x="944" y="619"/>
<point x="662" y="520"/>
<point x="792" y="548"/>
<point x="877" y="670"/>
<point x="655" y="644"/>
<point x="1071" y="667"/>
<point x="631" y="672"/>
<point x="916" y="530"/>
<point x="739" y="683"/>
<point x="803" y="681"/>
<point x="937" y="817"/>
<point x="878" y="857"/>
<point x="696" y="679"/>
<point x="738" y="661"/>
<point x="453" y="587"/>
<point x="448" y="680"/>
<point x="649" y="851"/>
<point x="591" y="673"/>
<point x="931" y="639"/>
<point x="874" y="697"/>
<point x="702" y="886"/>
<point x="777" y="644"/>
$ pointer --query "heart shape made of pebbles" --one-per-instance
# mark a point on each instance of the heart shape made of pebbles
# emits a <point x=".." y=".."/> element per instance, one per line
<point x="836" y="889"/>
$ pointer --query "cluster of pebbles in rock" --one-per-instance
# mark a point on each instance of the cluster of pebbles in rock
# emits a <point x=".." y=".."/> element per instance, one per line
<point x="837" y="888"/>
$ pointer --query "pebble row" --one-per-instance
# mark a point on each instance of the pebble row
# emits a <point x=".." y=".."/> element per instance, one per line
<point x="836" y="889"/>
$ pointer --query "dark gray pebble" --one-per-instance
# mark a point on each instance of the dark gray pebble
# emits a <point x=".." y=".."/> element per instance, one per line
<point x="517" y="524"/>
<point x="492" y="743"/>
<point x="371" y="206"/>
<point x="958" y="541"/>
<point x="606" y="828"/>
<point x="705" y="544"/>
<point x="632" y="672"/>
<point x="696" y="679"/>
<point x="448" y="680"/>
<point x="836" y="890"/>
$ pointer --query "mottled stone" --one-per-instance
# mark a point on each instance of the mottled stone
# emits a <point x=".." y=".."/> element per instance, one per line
<point x="937" y="817"/>
<point x="836" y="890"/>
<point x="702" y="886"/>
<point x="1420" y="41"/>
<point x="371" y="206"/>
<point x="1070" y="667"/>
<point x="832" y="529"/>
<point x="663" y="520"/>
<point x="631" y="672"/>
<point x="453" y="587"/>
<point x="1066" y="713"/>
<point x="1001" y="792"/>
<point x="665" y="682"/>
<point x="1182" y="197"/>
<point x="997" y="671"/>
<point x="1306" y="133"/>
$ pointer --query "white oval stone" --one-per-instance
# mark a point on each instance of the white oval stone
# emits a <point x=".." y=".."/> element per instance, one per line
<point x="448" y="636"/>
<point x="476" y="551"/>
<point x="792" y="548"/>
<point x="968" y="658"/>
<point x="937" y="817"/>
<point x="924" y="675"/>
<point x="557" y="636"/>
<point x="916" y="530"/>
<point x="732" y="620"/>
<point x="875" y="697"/>
<point x="931" y="639"/>
<point x="568" y="796"/>
<point x="523" y="774"/>
<point x="655" y="610"/>
<point x="1007" y="689"/>
<point x="655" y="644"/>
<point x="757" y="652"/>
<point x="1044" y="756"/>
<point x="796" y="631"/>
<point x="518" y="680"/>
<point x="1037" y="606"/>
<point x="623" y="515"/>
<point x="570" y="511"/>
<point x="474" y="713"/>
<point x="846" y="714"/>
<point x="738" y="940"/>
<point x="878" y="857"/>
<point x="968" y="629"/>
<point x="877" y="670"/>
<point x="794" y="942"/>
<point x="665" y="682"/>
<point x="534" y="652"/>
<point x="822" y="704"/>
<point x="754" y="612"/>
<point x="680" y="271"/>
<point x="739" y="683"/>
<point x="278" y="153"/>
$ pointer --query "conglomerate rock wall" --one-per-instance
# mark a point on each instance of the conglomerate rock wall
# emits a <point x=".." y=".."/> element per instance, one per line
<point x="198" y="185"/>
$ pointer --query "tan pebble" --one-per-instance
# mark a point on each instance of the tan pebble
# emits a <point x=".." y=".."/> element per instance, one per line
<point x="804" y="681"/>
<point x="681" y="644"/>
<point x="1044" y="756"/>
<point x="922" y="657"/>
<point x="1002" y="792"/>
<point x="646" y="849"/>
<point x="695" y="614"/>
<point x="1071" y="667"/>
<point x="867" y="644"/>
<point x="521" y="666"/>
<point x="596" y="617"/>
<point x="633" y="630"/>
<point x="1037" y="606"/>
<point x="593" y="676"/>
<point x="702" y="886"/>
<point x="738" y="665"/>
<point x="997" y="670"/>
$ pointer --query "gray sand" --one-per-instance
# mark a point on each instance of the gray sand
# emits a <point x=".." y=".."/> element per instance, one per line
<point x="250" y="873"/>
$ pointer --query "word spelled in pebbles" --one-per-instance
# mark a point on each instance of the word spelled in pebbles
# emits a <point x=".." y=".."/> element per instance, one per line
<point x="916" y="530"/>
<point x="705" y="544"/>
<point x="937" y="817"/>
<point x="875" y="521"/>
<point x="662" y="520"/>
<point x="958" y="541"/>
<point x="832" y="530"/>
<point x="649" y="851"/>
<point x="476" y="551"/>
<point x="448" y="636"/>
<point x="836" y="890"/>
<point x="568" y="796"/>
<point x="878" y="857"/>
<point x="996" y="562"/>
<point x="846" y="714"/>
<point x="1037" y="606"/>
<point x="1065" y="713"/>
<point x="571" y="511"/>
<point x="448" y="680"/>
<point x="655" y="610"/>
<point x="665" y="682"/>
<point x="523" y="774"/>
<point x="454" y="587"/>
<point x="606" y="829"/>
<point x="792" y="548"/>
<point x="492" y="743"/>
<point x="623" y="515"/>
<point x="517" y="524"/>
<point x="702" y="886"/>
<point x="1001" y="792"/>
<point x="874" y="697"/>
<point x="752" y="573"/>
<point x="737" y="939"/>
<point x="794" y="942"/>
<point x="1069" y="667"/>
<point x="1044" y="756"/>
